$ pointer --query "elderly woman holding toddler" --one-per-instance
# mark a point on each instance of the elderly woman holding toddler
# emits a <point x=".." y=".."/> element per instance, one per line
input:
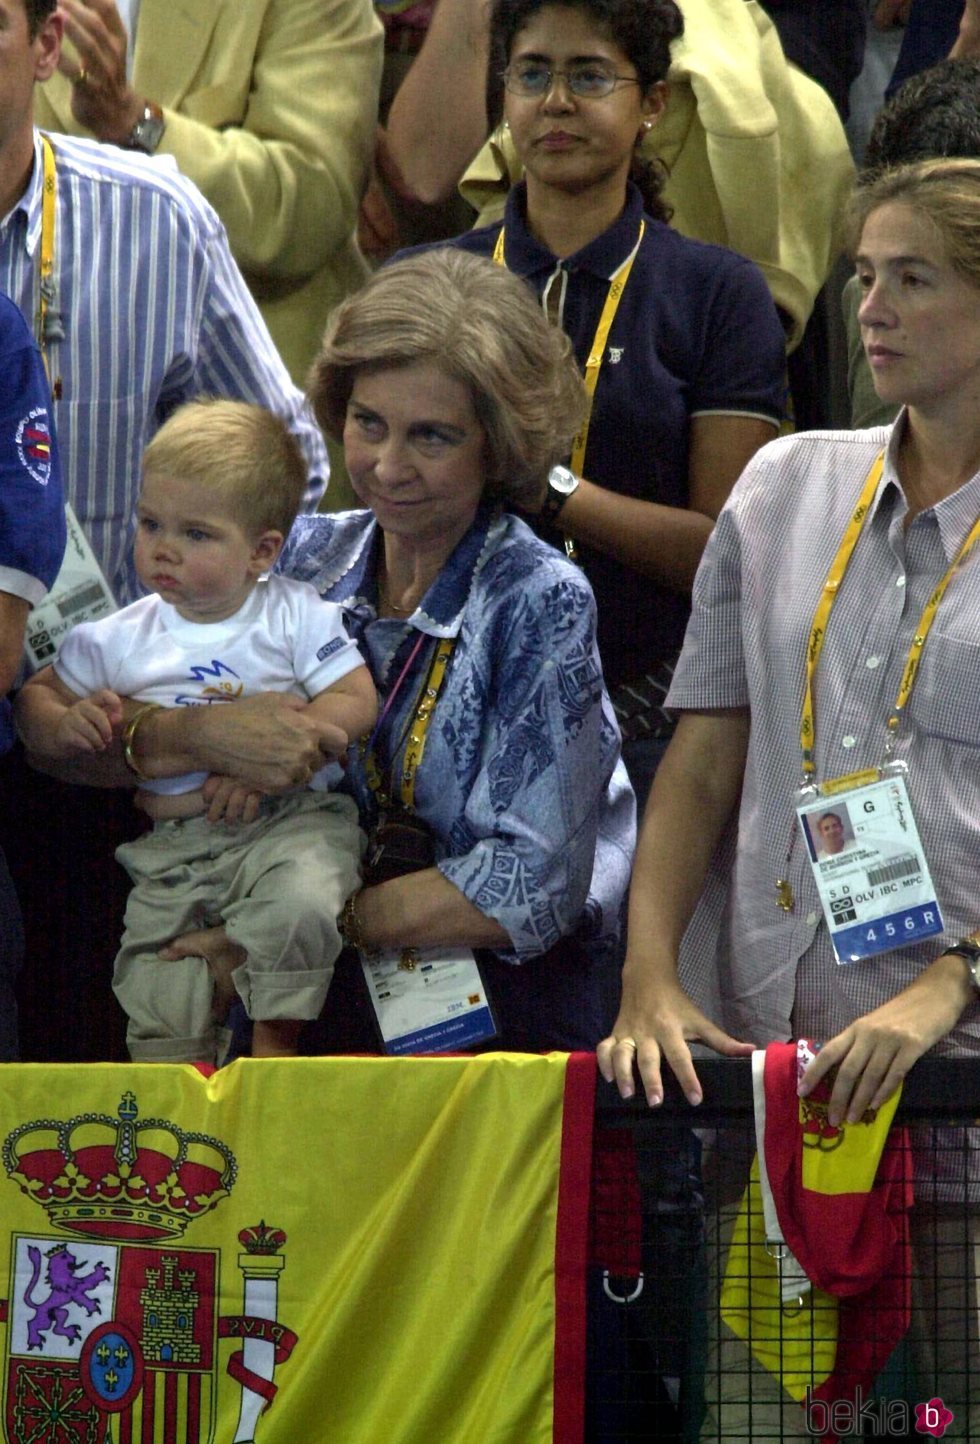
<point x="495" y="762"/>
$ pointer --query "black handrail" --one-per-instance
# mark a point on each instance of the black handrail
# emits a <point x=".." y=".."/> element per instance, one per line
<point x="937" y="1090"/>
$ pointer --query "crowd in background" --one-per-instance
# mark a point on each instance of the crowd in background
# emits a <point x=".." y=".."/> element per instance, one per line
<point x="328" y="138"/>
<point x="541" y="316"/>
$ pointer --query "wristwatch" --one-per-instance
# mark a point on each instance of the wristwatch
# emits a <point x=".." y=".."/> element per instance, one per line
<point x="561" y="484"/>
<point x="969" y="950"/>
<point x="147" y="133"/>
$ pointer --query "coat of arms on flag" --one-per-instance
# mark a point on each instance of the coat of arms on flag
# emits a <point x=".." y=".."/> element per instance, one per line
<point x="300" y="1249"/>
<point x="112" y="1321"/>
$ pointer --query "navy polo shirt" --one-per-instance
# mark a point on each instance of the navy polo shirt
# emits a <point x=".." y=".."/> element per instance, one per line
<point x="696" y="331"/>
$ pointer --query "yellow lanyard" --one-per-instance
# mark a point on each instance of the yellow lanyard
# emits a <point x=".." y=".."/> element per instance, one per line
<point x="415" y="746"/>
<point x="593" y="365"/>
<point x="818" y="628"/>
<point x="46" y="287"/>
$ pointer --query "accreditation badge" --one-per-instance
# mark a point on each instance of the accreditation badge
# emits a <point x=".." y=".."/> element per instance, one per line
<point x="428" y="1000"/>
<point x="80" y="594"/>
<point x="868" y="862"/>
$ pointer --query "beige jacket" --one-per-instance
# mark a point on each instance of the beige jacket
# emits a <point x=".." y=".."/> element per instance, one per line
<point x="757" y="156"/>
<point x="271" y="107"/>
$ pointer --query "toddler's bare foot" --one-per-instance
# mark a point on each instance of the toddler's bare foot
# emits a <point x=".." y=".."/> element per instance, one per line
<point x="222" y="957"/>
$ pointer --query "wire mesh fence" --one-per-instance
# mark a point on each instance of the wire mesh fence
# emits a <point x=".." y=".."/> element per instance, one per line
<point x="699" y="1329"/>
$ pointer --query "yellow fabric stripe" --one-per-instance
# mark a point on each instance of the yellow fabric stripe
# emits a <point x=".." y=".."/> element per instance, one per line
<point x="849" y="1164"/>
<point x="797" y="1345"/>
<point x="48" y="197"/>
<point x="419" y="1199"/>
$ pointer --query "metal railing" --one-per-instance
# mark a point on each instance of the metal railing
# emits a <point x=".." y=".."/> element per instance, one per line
<point x="663" y="1364"/>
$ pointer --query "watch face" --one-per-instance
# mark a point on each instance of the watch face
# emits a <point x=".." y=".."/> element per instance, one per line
<point x="562" y="480"/>
<point x="147" y="132"/>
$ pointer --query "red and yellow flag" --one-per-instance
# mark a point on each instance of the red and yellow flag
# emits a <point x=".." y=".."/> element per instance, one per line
<point x="307" y="1250"/>
<point x="842" y="1195"/>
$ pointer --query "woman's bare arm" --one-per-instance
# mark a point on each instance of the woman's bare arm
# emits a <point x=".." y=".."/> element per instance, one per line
<point x="666" y="542"/>
<point x="438" y="119"/>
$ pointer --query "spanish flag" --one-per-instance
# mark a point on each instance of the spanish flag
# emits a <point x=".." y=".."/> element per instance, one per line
<point x="295" y="1251"/>
<point x="841" y="1199"/>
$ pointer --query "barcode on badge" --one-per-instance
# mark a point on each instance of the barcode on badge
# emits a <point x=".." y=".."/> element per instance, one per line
<point x="892" y="871"/>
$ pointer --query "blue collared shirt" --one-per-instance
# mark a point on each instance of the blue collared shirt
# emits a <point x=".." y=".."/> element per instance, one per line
<point x="520" y="781"/>
<point x="149" y="311"/>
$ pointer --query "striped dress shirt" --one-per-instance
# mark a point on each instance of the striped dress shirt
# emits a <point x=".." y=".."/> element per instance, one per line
<point x="773" y="974"/>
<point x="149" y="310"/>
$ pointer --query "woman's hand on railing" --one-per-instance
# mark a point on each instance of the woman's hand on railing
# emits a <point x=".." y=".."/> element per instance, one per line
<point x="653" y="1027"/>
<point x="875" y="1053"/>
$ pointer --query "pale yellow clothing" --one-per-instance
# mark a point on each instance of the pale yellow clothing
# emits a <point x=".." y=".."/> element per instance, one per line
<point x="757" y="155"/>
<point x="270" y="108"/>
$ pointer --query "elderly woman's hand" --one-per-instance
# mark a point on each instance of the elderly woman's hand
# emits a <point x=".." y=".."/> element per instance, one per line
<point x="270" y="743"/>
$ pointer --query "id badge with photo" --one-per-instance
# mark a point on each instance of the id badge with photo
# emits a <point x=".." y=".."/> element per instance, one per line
<point x="428" y="1000"/>
<point x="868" y="862"/>
<point x="80" y="594"/>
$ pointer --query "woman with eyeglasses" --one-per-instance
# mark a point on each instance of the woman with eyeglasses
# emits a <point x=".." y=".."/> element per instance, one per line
<point x="679" y="342"/>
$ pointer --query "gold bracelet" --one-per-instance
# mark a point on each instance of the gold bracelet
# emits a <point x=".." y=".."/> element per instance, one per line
<point x="129" y="737"/>
<point x="350" y="924"/>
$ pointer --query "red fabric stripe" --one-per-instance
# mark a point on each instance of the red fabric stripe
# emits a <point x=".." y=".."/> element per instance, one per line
<point x="170" y="1411"/>
<point x="149" y="1405"/>
<point x="193" y="1407"/>
<point x="571" y="1248"/>
<point x="852" y="1245"/>
<point x="126" y="1426"/>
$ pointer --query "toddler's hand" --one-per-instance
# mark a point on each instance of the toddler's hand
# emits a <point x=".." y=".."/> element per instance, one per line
<point x="229" y="800"/>
<point x="88" y="725"/>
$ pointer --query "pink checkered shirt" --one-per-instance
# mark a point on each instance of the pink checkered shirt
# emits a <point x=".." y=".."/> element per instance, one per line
<point x="767" y="974"/>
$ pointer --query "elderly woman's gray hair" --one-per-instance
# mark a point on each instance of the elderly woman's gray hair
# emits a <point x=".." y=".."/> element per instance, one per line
<point x="482" y="326"/>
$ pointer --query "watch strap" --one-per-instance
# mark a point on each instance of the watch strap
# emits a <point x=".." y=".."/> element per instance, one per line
<point x="969" y="950"/>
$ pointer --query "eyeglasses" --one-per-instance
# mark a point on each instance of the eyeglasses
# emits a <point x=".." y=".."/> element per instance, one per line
<point x="589" y="82"/>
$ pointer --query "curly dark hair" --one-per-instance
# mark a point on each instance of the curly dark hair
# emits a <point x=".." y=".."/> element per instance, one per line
<point x="936" y="113"/>
<point x="37" y="12"/>
<point x="643" y="30"/>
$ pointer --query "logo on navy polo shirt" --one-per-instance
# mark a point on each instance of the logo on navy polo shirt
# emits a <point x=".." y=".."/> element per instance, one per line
<point x="33" y="439"/>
